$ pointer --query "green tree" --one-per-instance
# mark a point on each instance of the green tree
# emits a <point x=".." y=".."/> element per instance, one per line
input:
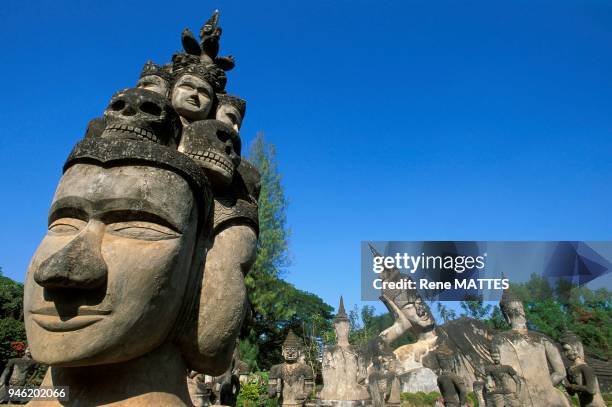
<point x="475" y="309"/>
<point x="276" y="305"/>
<point x="552" y="310"/>
<point x="12" y="328"/>
<point x="445" y="313"/>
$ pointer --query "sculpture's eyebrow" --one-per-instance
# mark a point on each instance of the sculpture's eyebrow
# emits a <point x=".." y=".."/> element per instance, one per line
<point x="70" y="206"/>
<point x="113" y="210"/>
<point x="126" y="209"/>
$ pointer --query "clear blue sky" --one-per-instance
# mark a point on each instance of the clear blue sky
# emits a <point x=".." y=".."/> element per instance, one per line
<point x="404" y="120"/>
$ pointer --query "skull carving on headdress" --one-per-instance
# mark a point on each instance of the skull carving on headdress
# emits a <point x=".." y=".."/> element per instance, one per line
<point x="141" y="114"/>
<point x="215" y="146"/>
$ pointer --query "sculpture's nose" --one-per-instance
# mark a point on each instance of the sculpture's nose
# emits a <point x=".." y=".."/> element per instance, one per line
<point x="78" y="265"/>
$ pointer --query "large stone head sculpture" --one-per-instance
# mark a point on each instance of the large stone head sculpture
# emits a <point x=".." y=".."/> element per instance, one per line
<point x="142" y="115"/>
<point x="119" y="272"/>
<point x="215" y="146"/>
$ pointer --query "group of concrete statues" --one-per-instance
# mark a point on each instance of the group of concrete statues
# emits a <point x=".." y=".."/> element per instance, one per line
<point x="506" y="369"/>
<point x="139" y="280"/>
<point x="512" y="368"/>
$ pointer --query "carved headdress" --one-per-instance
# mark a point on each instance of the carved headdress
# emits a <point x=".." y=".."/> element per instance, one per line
<point x="292" y="340"/>
<point x="208" y="48"/>
<point x="341" y="316"/>
<point x="183" y="64"/>
<point x="151" y="68"/>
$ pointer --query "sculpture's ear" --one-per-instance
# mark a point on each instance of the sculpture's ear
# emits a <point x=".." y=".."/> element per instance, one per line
<point x="217" y="313"/>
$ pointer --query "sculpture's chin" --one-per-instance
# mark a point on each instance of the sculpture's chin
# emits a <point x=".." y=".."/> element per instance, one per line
<point x="95" y="343"/>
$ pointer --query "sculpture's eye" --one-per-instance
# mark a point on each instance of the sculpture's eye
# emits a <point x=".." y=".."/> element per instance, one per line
<point x="66" y="226"/>
<point x="141" y="230"/>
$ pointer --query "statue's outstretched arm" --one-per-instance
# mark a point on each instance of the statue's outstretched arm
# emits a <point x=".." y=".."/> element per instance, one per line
<point x="401" y="324"/>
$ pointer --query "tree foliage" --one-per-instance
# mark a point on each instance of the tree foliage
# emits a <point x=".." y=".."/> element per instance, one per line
<point x="276" y="305"/>
<point x="552" y="310"/>
<point x="12" y="328"/>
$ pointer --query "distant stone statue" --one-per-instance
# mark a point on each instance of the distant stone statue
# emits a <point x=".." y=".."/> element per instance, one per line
<point x="451" y="386"/>
<point x="533" y="356"/>
<point x="292" y="382"/>
<point x="200" y="389"/>
<point x="140" y="277"/>
<point x="469" y="339"/>
<point x="503" y="384"/>
<point x="225" y="388"/>
<point x="343" y="368"/>
<point x="17" y="372"/>
<point x="581" y="378"/>
<point x="383" y="381"/>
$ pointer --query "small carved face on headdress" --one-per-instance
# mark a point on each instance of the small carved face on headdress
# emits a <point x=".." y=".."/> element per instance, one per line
<point x="155" y="78"/>
<point x="141" y="114"/>
<point x="231" y="110"/>
<point x="153" y="83"/>
<point x="215" y="147"/>
<point x="192" y="97"/>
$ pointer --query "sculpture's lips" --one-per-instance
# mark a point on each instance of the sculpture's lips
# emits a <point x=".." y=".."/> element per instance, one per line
<point x="49" y="319"/>
<point x="193" y="102"/>
<point x="83" y="311"/>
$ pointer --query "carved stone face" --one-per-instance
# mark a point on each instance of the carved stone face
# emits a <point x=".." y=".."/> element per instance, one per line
<point x="446" y="363"/>
<point x="153" y="83"/>
<point x="141" y="114"/>
<point x="570" y="352"/>
<point x="290" y="354"/>
<point x="419" y="315"/>
<point x="515" y="314"/>
<point x="192" y="97"/>
<point x="342" y="332"/>
<point x="106" y="282"/>
<point x="495" y="357"/>
<point x="215" y="147"/>
<point x="229" y="115"/>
